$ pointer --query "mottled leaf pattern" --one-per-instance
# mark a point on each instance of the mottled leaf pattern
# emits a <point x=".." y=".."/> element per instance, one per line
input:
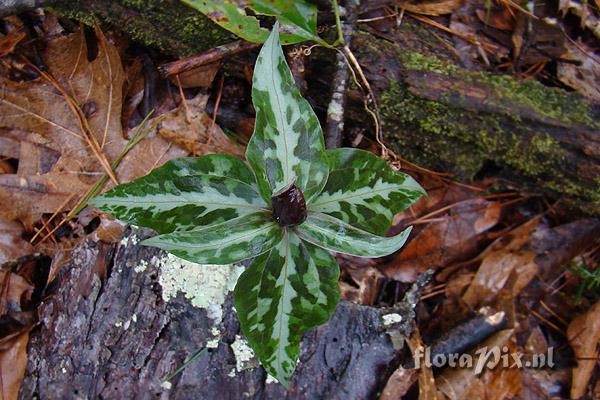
<point x="216" y="210"/>
<point x="224" y="243"/>
<point x="335" y="235"/>
<point x="184" y="194"/>
<point x="211" y="164"/>
<point x="298" y="18"/>
<point x="364" y="191"/>
<point x="284" y="293"/>
<point x="287" y="140"/>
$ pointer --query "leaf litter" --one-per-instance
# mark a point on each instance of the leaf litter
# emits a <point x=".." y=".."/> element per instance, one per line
<point x="510" y="253"/>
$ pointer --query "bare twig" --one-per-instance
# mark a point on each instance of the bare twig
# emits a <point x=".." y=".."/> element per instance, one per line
<point x="212" y="55"/>
<point x="468" y="334"/>
<point x="335" y="110"/>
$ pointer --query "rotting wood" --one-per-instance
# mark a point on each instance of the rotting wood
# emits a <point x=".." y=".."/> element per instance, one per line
<point x="107" y="332"/>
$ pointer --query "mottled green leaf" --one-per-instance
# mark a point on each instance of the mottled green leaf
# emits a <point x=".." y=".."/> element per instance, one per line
<point x="298" y="18"/>
<point x="364" y="191"/>
<point x="288" y="141"/>
<point x="185" y="193"/>
<point x="335" y="235"/>
<point x="211" y="164"/>
<point x="224" y="243"/>
<point x="284" y="293"/>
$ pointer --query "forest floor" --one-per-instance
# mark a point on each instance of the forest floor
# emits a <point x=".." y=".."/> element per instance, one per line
<point x="82" y="108"/>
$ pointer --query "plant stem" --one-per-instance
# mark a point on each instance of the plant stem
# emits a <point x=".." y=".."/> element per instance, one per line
<point x="338" y="23"/>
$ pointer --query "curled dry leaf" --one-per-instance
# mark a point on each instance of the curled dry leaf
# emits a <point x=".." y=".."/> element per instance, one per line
<point x="13" y="362"/>
<point x="585" y="77"/>
<point x="43" y="132"/>
<point x="462" y="383"/>
<point x="399" y="383"/>
<point x="427" y="386"/>
<point x="191" y="128"/>
<point x="10" y="41"/>
<point x="584" y="334"/>
<point x="15" y="290"/>
<point x="201" y="76"/>
<point x="361" y="279"/>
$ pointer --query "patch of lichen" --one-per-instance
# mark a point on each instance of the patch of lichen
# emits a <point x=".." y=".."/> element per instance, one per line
<point x="455" y="140"/>
<point x="167" y="25"/>
<point x="544" y="102"/>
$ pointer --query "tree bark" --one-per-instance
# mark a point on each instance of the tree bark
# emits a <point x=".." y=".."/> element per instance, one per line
<point x="107" y="332"/>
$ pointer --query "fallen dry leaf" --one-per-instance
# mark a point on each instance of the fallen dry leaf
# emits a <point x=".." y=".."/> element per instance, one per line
<point x="427" y="387"/>
<point x="10" y="41"/>
<point x="399" y="384"/>
<point x="360" y="281"/>
<point x="505" y="256"/>
<point x="12" y="245"/>
<point x="13" y="362"/>
<point x="430" y="7"/>
<point x="584" y="333"/>
<point x="190" y="127"/>
<point x="55" y="159"/>
<point x="15" y="290"/>
<point x="463" y="383"/>
<point x="201" y="76"/>
<point x="585" y="77"/>
<point x="456" y="236"/>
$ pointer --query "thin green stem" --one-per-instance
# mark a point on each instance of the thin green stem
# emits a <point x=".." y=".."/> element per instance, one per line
<point x="185" y="365"/>
<point x="338" y="23"/>
<point x="139" y="134"/>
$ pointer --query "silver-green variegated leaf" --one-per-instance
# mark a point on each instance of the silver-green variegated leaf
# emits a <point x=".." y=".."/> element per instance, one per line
<point x="186" y="193"/>
<point x="224" y="243"/>
<point x="335" y="235"/>
<point x="364" y="191"/>
<point x="287" y="142"/>
<point x="284" y="293"/>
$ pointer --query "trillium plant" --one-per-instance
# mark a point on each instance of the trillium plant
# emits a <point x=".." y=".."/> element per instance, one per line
<point x="287" y="209"/>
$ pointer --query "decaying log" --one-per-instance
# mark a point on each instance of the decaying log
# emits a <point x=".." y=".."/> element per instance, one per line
<point x="106" y="331"/>
<point x="434" y="112"/>
<point x="472" y="123"/>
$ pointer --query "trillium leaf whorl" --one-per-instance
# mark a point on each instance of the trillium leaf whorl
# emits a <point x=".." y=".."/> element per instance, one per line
<point x="295" y="204"/>
<point x="287" y="142"/>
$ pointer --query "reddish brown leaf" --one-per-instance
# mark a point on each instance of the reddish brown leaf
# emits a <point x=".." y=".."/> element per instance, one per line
<point x="584" y="334"/>
<point x="13" y="362"/>
<point x="190" y="127"/>
<point x="457" y="235"/>
<point x="9" y="42"/>
<point x="399" y="384"/>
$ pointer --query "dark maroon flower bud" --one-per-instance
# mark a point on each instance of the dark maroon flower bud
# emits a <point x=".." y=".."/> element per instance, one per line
<point x="289" y="207"/>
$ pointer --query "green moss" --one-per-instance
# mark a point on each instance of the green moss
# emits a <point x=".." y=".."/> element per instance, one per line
<point x="167" y="25"/>
<point x="419" y="62"/>
<point x="454" y="140"/>
<point x="511" y="94"/>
